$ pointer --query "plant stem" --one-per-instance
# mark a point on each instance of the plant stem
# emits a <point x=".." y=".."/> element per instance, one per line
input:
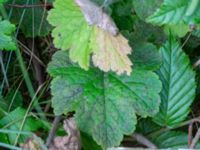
<point x="24" y="71"/>
<point x="3" y="12"/>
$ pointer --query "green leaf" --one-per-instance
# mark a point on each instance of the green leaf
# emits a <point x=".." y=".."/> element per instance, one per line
<point x="107" y="104"/>
<point x="144" y="32"/>
<point x="174" y="12"/>
<point x="88" y="143"/>
<point x="122" y="14"/>
<point x="172" y="140"/>
<point x="3" y="107"/>
<point x="34" y="21"/>
<point x="72" y="31"/>
<point x="6" y="31"/>
<point x="179" y="30"/>
<point x="13" y="120"/>
<point x="198" y="78"/>
<point x="146" y="56"/>
<point x="145" y="8"/>
<point x="178" y="81"/>
<point x="14" y="99"/>
<point x="197" y="32"/>
<point x="146" y="126"/>
<point x="2" y="1"/>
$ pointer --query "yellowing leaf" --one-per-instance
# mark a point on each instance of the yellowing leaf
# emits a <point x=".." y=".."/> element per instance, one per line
<point x="72" y="32"/>
<point x="111" y="53"/>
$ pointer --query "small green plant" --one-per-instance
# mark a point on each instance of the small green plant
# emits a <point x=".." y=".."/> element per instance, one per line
<point x="120" y="67"/>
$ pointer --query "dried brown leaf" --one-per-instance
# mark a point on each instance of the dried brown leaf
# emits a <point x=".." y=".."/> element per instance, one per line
<point x="69" y="142"/>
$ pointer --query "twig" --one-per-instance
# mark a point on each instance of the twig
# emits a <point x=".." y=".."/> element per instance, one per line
<point x="27" y="51"/>
<point x="3" y="69"/>
<point x="185" y="42"/>
<point x="53" y="130"/>
<point x="197" y="119"/>
<point x="196" y="64"/>
<point x="26" y="114"/>
<point x="190" y="129"/>
<point x="143" y="140"/>
<point x="29" y="6"/>
<point x="195" y="139"/>
<point x="39" y="71"/>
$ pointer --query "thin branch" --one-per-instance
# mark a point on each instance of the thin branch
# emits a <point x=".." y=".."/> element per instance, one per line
<point x="190" y="129"/>
<point x="39" y="71"/>
<point x="185" y="42"/>
<point x="195" y="139"/>
<point x="196" y="64"/>
<point x="3" y="69"/>
<point x="144" y="141"/>
<point x="53" y="130"/>
<point x="197" y="119"/>
<point x="29" y="6"/>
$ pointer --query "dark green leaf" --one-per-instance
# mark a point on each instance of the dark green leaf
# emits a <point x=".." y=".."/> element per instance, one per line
<point x="178" y="80"/>
<point x="88" y="143"/>
<point x="172" y="140"/>
<point x="146" y="56"/>
<point x="145" y="8"/>
<point x="106" y="109"/>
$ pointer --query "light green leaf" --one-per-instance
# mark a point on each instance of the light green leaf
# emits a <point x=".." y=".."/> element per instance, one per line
<point x="2" y="1"/>
<point x="174" y="12"/>
<point x="179" y="30"/>
<point x="178" y="80"/>
<point x="73" y="33"/>
<point x="6" y="31"/>
<point x="104" y="98"/>
<point x="34" y="21"/>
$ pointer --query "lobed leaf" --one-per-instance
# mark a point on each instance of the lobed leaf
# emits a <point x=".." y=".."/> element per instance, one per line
<point x="73" y="33"/>
<point x="107" y="105"/>
<point x="112" y="53"/>
<point x="6" y="31"/>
